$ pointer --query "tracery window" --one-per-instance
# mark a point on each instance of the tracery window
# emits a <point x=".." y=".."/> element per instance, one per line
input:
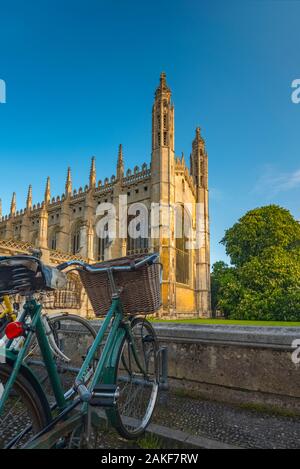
<point x="53" y="240"/>
<point x="137" y="244"/>
<point x="102" y="244"/>
<point x="182" y="232"/>
<point x="76" y="237"/>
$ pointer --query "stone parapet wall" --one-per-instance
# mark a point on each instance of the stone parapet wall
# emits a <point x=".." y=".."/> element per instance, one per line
<point x="248" y="365"/>
<point x="239" y="365"/>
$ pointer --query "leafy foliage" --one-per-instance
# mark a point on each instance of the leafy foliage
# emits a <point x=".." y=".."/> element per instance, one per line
<point x="264" y="281"/>
<point x="258" y="230"/>
<point x="222" y="278"/>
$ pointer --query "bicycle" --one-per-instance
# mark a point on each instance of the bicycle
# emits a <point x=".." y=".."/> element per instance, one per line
<point x="123" y="379"/>
<point x="56" y="328"/>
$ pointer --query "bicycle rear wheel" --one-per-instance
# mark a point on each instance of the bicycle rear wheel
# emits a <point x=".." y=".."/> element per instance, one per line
<point x="73" y="335"/>
<point x="22" y="411"/>
<point x="138" y="390"/>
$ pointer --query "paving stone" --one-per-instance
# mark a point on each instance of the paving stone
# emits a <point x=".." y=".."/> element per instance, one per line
<point x="228" y="424"/>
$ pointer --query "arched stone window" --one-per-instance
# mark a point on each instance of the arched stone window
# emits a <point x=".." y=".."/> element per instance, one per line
<point x="34" y="238"/>
<point x="76" y="239"/>
<point x="140" y="243"/>
<point x="102" y="244"/>
<point x="137" y="245"/>
<point x="17" y="233"/>
<point x="182" y="233"/>
<point x="53" y="240"/>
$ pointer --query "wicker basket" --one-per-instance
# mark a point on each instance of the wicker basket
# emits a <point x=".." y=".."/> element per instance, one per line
<point x="140" y="289"/>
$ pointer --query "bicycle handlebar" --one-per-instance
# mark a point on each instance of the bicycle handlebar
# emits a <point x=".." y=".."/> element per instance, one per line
<point x="147" y="260"/>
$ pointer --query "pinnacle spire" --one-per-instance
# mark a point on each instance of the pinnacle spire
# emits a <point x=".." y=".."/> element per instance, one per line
<point x="163" y="87"/>
<point x="163" y="77"/>
<point x="47" y="191"/>
<point x="29" y="198"/>
<point x="0" y="209"/>
<point x="120" y="165"/>
<point x="199" y="162"/>
<point x="120" y="154"/>
<point x="93" y="173"/>
<point x="13" y="205"/>
<point x="198" y="141"/>
<point x="69" y="183"/>
<point x="163" y="117"/>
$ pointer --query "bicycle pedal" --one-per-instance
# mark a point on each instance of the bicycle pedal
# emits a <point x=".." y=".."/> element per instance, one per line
<point x="104" y="395"/>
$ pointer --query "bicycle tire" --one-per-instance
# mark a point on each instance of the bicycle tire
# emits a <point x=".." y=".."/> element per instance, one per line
<point x="35" y="413"/>
<point x="3" y="324"/>
<point x="126" y="421"/>
<point x="67" y="371"/>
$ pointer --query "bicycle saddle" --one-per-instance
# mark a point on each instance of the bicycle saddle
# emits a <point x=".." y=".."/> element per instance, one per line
<point x="27" y="274"/>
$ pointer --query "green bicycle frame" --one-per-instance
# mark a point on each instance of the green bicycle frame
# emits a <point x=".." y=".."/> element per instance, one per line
<point x="33" y="309"/>
<point x="113" y="324"/>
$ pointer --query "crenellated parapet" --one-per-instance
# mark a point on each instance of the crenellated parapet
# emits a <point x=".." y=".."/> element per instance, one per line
<point x="106" y="187"/>
<point x="103" y="187"/>
<point x="137" y="175"/>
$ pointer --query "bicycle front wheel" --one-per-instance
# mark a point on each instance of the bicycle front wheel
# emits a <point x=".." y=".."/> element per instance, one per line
<point x="137" y="377"/>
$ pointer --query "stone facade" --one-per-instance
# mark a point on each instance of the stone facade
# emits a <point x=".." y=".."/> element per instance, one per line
<point x="65" y="227"/>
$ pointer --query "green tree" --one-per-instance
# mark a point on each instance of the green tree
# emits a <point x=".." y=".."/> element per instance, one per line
<point x="259" y="229"/>
<point x="222" y="275"/>
<point x="264" y="281"/>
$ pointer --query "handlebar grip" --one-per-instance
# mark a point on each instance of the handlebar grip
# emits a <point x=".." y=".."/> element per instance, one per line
<point x="84" y="394"/>
<point x="152" y="259"/>
<point x="148" y="260"/>
<point x="62" y="266"/>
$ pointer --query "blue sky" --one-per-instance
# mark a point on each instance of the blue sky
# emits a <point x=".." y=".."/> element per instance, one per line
<point x="80" y="80"/>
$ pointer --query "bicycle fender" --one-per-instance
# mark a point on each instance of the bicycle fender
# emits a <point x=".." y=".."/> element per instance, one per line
<point x="109" y="373"/>
<point x="109" y="376"/>
<point x="32" y="379"/>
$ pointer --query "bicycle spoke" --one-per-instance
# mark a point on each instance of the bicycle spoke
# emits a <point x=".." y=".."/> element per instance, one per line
<point x="137" y="379"/>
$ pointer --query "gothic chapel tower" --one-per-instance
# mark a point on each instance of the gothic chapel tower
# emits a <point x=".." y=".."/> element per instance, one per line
<point x="199" y="172"/>
<point x="163" y="187"/>
<point x="186" y="279"/>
